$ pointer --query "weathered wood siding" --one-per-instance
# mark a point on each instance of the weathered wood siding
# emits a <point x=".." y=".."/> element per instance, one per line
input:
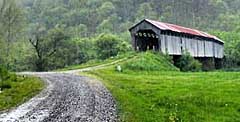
<point x="171" y="44"/>
<point x="144" y="26"/>
<point x="190" y="45"/>
<point x="209" y="48"/>
<point x="218" y="50"/>
<point x="201" y="52"/>
<point x="163" y="43"/>
<point x="176" y="44"/>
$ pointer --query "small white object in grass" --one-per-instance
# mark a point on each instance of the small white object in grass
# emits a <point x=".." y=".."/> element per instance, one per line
<point x="119" y="68"/>
<point x="0" y="90"/>
<point x="137" y="48"/>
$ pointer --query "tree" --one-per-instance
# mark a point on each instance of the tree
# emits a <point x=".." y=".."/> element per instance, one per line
<point x="106" y="10"/>
<point x="11" y="21"/>
<point x="105" y="27"/>
<point x="108" y="46"/>
<point x="46" y="47"/>
<point x="2" y="50"/>
<point x="146" y="11"/>
<point x="78" y="31"/>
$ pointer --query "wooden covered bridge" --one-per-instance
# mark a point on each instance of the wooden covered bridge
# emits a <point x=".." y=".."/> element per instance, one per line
<point x="174" y="40"/>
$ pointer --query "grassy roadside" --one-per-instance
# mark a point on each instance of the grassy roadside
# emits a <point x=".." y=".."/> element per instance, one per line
<point x="93" y="63"/>
<point x="174" y="96"/>
<point x="22" y="89"/>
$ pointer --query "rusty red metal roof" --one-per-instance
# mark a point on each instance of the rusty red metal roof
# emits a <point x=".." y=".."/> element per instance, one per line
<point x="180" y="29"/>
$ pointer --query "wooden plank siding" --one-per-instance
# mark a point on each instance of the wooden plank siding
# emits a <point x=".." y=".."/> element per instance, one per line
<point x="144" y="26"/>
<point x="201" y="52"/>
<point x="163" y="44"/>
<point x="171" y="44"/>
<point x="208" y="48"/>
<point x="218" y="50"/>
<point x="175" y="43"/>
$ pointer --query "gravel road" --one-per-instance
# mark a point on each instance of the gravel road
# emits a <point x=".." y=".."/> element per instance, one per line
<point x="67" y="98"/>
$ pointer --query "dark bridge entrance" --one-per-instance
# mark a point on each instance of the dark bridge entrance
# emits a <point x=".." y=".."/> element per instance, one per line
<point x="146" y="40"/>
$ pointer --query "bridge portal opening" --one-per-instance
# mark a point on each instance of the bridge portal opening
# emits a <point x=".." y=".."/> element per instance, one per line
<point x="146" y="40"/>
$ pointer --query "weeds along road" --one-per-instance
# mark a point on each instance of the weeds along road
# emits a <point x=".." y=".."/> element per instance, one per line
<point x="67" y="98"/>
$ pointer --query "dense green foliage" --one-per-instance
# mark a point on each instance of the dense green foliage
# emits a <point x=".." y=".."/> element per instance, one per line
<point x="232" y="50"/>
<point x="82" y="21"/>
<point x="155" y="96"/>
<point x="86" y="18"/>
<point x="187" y="63"/>
<point x="6" y="78"/>
<point x="149" y="62"/>
<point x="109" y="46"/>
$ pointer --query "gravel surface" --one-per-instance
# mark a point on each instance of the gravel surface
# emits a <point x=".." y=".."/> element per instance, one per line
<point x="67" y="98"/>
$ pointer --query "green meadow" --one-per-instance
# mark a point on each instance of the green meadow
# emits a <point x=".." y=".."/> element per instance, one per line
<point x="149" y="91"/>
<point x="174" y="96"/>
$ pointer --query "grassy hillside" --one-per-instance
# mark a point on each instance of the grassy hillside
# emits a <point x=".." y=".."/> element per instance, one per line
<point x="146" y="61"/>
<point x="97" y="62"/>
<point x="149" y="61"/>
<point x="150" y="89"/>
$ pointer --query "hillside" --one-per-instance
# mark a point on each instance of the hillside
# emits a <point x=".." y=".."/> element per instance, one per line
<point x="148" y="61"/>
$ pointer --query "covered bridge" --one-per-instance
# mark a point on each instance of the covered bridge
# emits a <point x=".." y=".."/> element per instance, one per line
<point x="174" y="40"/>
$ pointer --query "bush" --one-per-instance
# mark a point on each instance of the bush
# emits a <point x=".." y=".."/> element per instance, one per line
<point x="108" y="45"/>
<point x="187" y="63"/>
<point x="4" y="75"/>
<point x="72" y="52"/>
<point x="6" y="78"/>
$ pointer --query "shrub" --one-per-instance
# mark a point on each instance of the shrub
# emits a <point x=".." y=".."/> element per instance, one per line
<point x="187" y="63"/>
<point x="108" y="45"/>
<point x="6" y="78"/>
<point x="4" y="75"/>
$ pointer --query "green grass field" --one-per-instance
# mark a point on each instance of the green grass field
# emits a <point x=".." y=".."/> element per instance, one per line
<point x="151" y="89"/>
<point x="21" y="90"/>
<point x="174" y="96"/>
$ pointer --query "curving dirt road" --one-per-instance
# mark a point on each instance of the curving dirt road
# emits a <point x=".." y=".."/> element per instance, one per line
<point x="67" y="98"/>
